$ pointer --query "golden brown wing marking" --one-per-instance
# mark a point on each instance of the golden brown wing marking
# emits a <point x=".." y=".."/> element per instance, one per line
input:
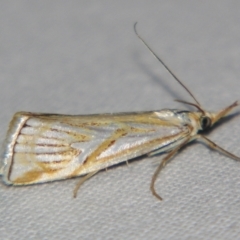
<point x="42" y="155"/>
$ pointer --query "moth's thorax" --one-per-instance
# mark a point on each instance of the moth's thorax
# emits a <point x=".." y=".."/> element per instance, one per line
<point x="182" y="118"/>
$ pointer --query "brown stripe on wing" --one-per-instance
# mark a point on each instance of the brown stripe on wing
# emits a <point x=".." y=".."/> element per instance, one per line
<point x="29" y="164"/>
<point x="102" y="147"/>
<point x="121" y="132"/>
<point x="42" y="168"/>
<point x="139" y="149"/>
<point x="147" y="145"/>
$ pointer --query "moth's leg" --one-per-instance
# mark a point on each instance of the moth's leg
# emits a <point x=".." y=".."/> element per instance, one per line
<point x="81" y="181"/>
<point x="215" y="147"/>
<point x="162" y="165"/>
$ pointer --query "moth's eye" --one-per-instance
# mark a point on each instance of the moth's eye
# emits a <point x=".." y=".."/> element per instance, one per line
<point x="205" y="122"/>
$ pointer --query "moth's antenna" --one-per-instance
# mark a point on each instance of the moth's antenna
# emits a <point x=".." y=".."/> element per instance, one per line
<point x="167" y="68"/>
<point x="192" y="104"/>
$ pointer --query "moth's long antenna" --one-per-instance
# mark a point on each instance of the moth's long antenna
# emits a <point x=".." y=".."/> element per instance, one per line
<point x="192" y="104"/>
<point x="167" y="68"/>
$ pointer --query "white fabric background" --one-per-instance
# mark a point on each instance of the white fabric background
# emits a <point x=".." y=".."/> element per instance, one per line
<point x="81" y="57"/>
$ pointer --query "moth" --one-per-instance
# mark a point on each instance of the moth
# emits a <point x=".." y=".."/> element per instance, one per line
<point x="48" y="147"/>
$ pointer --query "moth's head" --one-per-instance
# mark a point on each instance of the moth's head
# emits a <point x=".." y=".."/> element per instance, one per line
<point x="208" y="119"/>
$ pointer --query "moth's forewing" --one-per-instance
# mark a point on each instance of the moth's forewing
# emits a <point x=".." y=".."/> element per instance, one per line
<point x="46" y="147"/>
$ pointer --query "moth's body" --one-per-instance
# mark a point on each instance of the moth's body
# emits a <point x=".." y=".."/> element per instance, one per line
<point x="46" y="147"/>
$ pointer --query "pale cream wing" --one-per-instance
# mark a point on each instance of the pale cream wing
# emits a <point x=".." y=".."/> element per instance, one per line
<point x="42" y="148"/>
